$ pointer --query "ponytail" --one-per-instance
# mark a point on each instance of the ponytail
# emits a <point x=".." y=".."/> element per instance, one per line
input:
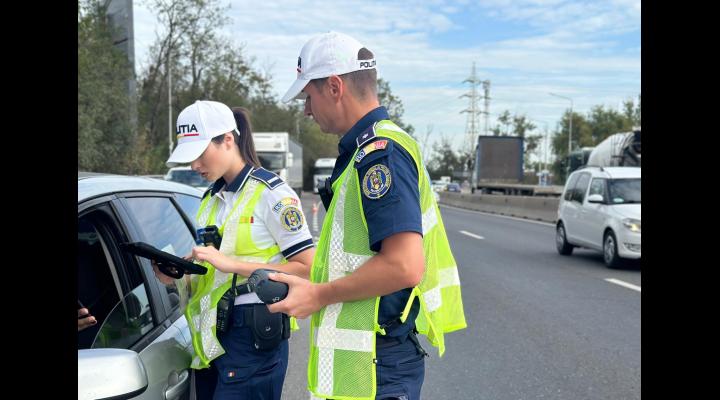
<point x="243" y="137"/>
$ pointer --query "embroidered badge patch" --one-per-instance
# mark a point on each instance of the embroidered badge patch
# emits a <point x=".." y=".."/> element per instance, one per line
<point x="376" y="182"/>
<point x="288" y="201"/>
<point x="377" y="145"/>
<point x="292" y="219"/>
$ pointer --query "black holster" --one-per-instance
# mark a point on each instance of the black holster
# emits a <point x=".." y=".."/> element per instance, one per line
<point x="269" y="329"/>
<point x="326" y="193"/>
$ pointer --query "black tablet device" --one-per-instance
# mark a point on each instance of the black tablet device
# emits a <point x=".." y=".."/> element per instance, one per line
<point x="169" y="264"/>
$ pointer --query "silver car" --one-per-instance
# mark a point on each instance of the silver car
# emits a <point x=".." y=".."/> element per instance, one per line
<point x="140" y="347"/>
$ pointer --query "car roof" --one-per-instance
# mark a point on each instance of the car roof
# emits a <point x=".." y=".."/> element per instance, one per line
<point x="613" y="172"/>
<point x="91" y="184"/>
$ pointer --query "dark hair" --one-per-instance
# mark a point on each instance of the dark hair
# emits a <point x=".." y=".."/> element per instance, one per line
<point x="362" y="83"/>
<point x="243" y="137"/>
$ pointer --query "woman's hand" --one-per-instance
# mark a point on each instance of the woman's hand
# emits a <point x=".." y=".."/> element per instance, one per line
<point x="212" y="255"/>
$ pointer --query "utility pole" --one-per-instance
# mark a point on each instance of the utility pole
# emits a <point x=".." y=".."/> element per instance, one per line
<point x="170" y="124"/>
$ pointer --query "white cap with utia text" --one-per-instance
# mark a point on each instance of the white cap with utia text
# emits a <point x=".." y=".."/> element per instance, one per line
<point x="327" y="54"/>
<point x="197" y="124"/>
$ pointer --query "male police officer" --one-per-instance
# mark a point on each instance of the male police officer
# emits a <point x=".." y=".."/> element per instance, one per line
<point x="383" y="269"/>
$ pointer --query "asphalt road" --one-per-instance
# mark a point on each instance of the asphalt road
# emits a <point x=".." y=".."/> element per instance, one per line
<point x="540" y="325"/>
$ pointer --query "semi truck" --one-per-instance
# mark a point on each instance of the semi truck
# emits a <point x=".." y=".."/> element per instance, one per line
<point x="281" y="155"/>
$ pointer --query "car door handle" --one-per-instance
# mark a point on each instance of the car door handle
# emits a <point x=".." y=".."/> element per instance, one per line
<point x="178" y="384"/>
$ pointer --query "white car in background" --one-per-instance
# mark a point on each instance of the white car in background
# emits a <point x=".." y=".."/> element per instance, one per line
<point x="187" y="176"/>
<point x="439" y="186"/>
<point x="600" y="210"/>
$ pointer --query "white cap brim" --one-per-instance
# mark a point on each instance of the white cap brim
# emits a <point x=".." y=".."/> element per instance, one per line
<point x="187" y="152"/>
<point x="294" y="93"/>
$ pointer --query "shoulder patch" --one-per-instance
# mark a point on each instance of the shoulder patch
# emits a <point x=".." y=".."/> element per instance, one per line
<point x="376" y="182"/>
<point x="292" y="219"/>
<point x="268" y="178"/>
<point x="287" y="201"/>
<point x="376" y="145"/>
<point x="365" y="137"/>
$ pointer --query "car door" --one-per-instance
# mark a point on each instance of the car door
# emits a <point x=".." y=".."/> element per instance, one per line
<point x="594" y="215"/>
<point x="160" y="221"/>
<point x="127" y="301"/>
<point x="569" y="208"/>
<point x="579" y="225"/>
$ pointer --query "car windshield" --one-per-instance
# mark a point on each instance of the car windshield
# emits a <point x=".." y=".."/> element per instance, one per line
<point x="323" y="171"/>
<point x="624" y="191"/>
<point x="189" y="177"/>
<point x="272" y="161"/>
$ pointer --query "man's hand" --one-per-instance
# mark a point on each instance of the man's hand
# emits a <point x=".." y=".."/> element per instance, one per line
<point x="212" y="255"/>
<point x="166" y="280"/>
<point x="303" y="299"/>
<point x="87" y="321"/>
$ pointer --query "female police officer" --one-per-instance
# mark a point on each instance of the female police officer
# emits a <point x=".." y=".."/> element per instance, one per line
<point x="261" y="225"/>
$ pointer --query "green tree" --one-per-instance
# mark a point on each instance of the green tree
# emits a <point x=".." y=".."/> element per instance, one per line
<point x="581" y="137"/>
<point x="203" y="65"/>
<point x="631" y="112"/>
<point x="444" y="160"/>
<point x="104" y="135"/>
<point x="605" y="122"/>
<point x="394" y="106"/>
<point x="504" y="125"/>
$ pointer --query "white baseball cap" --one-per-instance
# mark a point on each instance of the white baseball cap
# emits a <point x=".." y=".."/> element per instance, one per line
<point x="197" y="124"/>
<point x="330" y="53"/>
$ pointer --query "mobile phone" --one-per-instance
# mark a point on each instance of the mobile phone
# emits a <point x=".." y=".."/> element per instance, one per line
<point x="80" y="305"/>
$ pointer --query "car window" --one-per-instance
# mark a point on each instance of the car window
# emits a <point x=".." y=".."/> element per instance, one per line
<point x="163" y="227"/>
<point x="271" y="161"/>
<point x="188" y="177"/>
<point x="581" y="187"/>
<point x="598" y="187"/>
<point x="570" y="187"/>
<point x="323" y="171"/>
<point x="189" y="205"/>
<point x="101" y="278"/>
<point x="161" y="224"/>
<point x="127" y="323"/>
<point x="625" y="191"/>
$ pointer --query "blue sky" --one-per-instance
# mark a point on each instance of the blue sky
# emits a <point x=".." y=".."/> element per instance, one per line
<point x="586" y="50"/>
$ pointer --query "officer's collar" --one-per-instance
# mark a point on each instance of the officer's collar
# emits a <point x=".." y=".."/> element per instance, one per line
<point x="236" y="184"/>
<point x="348" y="143"/>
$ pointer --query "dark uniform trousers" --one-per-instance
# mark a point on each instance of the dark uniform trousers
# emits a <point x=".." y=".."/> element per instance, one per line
<point x="400" y="368"/>
<point x="243" y="372"/>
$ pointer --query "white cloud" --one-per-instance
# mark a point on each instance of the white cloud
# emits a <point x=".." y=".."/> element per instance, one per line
<point x="571" y="51"/>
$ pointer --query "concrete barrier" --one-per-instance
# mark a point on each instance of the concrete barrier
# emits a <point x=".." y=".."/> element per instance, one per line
<point x="533" y="208"/>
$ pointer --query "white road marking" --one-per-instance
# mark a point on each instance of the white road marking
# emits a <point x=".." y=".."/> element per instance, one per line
<point x="625" y="284"/>
<point x="472" y="235"/>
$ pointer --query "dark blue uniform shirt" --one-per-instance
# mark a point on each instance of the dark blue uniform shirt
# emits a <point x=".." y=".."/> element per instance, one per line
<point x="393" y="209"/>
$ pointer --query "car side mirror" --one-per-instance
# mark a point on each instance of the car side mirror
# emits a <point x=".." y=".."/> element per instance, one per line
<point x="596" y="198"/>
<point x="290" y="160"/>
<point x="110" y="373"/>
